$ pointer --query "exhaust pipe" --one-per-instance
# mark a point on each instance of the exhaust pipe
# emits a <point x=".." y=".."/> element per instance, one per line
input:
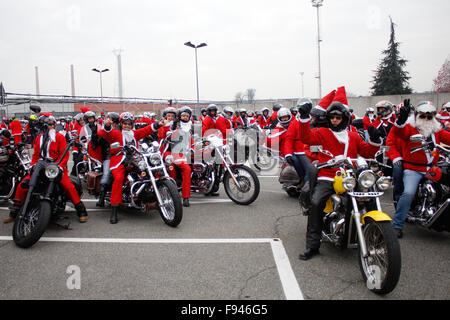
<point x="437" y="214"/>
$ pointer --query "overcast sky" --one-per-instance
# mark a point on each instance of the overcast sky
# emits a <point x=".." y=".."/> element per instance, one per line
<point x="258" y="44"/>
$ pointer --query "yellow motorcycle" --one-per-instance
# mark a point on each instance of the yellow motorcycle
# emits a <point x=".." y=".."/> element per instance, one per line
<point x="353" y="218"/>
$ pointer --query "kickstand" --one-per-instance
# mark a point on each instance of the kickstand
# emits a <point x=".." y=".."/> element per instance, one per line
<point x="63" y="226"/>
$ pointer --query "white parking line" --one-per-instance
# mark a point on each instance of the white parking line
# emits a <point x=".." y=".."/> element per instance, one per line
<point x="288" y="280"/>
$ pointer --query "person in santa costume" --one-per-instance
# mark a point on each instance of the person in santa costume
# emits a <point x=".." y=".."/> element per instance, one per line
<point x="209" y="121"/>
<point x="124" y="135"/>
<point x="444" y="115"/>
<point x="368" y="118"/>
<point x="49" y="144"/>
<point x="339" y="141"/>
<point x="181" y="135"/>
<point x="77" y="155"/>
<point x="241" y="120"/>
<point x="277" y="138"/>
<point x="224" y="123"/>
<point x="264" y="118"/>
<point x="385" y="118"/>
<point x="418" y="163"/>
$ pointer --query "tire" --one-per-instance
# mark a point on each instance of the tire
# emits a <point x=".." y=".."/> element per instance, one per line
<point x="172" y="212"/>
<point x="249" y="182"/>
<point x="264" y="162"/>
<point x="39" y="212"/>
<point x="380" y="237"/>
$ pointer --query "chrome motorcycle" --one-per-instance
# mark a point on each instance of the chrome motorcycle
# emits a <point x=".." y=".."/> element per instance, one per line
<point x="147" y="184"/>
<point x="353" y="218"/>
<point x="430" y="207"/>
<point x="212" y="164"/>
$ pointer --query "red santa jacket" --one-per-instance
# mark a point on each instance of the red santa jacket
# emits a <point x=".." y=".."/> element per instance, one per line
<point x="225" y="126"/>
<point x="208" y="123"/>
<point x="396" y="147"/>
<point x="53" y="150"/>
<point x="277" y="140"/>
<point x="420" y="160"/>
<point x="328" y="140"/>
<point x="366" y="122"/>
<point x="263" y="121"/>
<point x="294" y="144"/>
<point x="114" y="135"/>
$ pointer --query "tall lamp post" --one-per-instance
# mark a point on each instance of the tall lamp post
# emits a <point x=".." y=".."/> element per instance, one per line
<point x="318" y="4"/>
<point x="189" y="44"/>
<point x="303" y="94"/>
<point x="101" y="83"/>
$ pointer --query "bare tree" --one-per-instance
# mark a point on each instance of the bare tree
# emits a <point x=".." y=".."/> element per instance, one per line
<point x="251" y="95"/>
<point x="238" y="98"/>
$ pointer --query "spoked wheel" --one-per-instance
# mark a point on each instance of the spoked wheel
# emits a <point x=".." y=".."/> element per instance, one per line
<point x="30" y="226"/>
<point x="264" y="161"/>
<point x="248" y="186"/>
<point x="381" y="269"/>
<point x="171" y="209"/>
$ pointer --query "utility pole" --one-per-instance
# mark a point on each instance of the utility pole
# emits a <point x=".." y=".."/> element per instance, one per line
<point x="318" y="4"/>
<point x="72" y="79"/>
<point x="118" y="53"/>
<point x="37" y="81"/>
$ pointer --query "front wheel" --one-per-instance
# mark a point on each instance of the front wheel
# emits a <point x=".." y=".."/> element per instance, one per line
<point x="248" y="186"/>
<point x="381" y="269"/>
<point x="30" y="226"/>
<point x="171" y="208"/>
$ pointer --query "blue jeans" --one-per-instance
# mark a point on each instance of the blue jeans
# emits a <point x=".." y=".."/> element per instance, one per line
<point x="106" y="178"/>
<point x="302" y="165"/>
<point x="397" y="175"/>
<point x="411" y="181"/>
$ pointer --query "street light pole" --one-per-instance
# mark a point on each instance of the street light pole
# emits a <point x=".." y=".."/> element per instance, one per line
<point x="301" y="73"/>
<point x="101" y="83"/>
<point x="189" y="44"/>
<point x="318" y="4"/>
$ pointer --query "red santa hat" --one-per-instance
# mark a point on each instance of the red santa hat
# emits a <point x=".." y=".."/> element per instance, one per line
<point x="326" y="101"/>
<point x="341" y="96"/>
<point x="84" y="109"/>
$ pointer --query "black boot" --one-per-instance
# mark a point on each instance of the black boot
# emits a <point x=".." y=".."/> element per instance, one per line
<point x="101" y="197"/>
<point x="14" y="210"/>
<point x="308" y="254"/>
<point x="113" y="219"/>
<point x="81" y="212"/>
<point x="186" y="202"/>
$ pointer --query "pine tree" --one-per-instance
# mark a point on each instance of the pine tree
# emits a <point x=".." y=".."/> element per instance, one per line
<point x="390" y="78"/>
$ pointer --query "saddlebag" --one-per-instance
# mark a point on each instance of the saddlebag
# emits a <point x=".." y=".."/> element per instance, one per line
<point x="289" y="175"/>
<point x="93" y="182"/>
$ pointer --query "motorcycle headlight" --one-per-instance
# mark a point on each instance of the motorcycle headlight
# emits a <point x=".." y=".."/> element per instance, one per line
<point x="155" y="159"/>
<point x="383" y="183"/>
<point x="52" y="171"/>
<point x="142" y="165"/>
<point x="367" y="179"/>
<point x="169" y="160"/>
<point x="349" y="183"/>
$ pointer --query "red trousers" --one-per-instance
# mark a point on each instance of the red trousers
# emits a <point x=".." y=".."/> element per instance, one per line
<point x="67" y="185"/>
<point x="181" y="162"/>
<point x="116" y="189"/>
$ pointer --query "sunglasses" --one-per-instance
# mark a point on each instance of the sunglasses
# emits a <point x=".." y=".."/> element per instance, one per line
<point x="335" y="117"/>
<point x="426" y="116"/>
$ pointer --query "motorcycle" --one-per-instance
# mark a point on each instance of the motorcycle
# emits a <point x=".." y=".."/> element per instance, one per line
<point x="212" y="164"/>
<point x="14" y="166"/>
<point x="430" y="207"/>
<point x="45" y="201"/>
<point x="147" y="182"/>
<point x="247" y="141"/>
<point x="353" y="218"/>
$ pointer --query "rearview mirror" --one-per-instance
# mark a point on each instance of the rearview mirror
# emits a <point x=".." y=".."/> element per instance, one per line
<point x="315" y="148"/>
<point x="417" y="138"/>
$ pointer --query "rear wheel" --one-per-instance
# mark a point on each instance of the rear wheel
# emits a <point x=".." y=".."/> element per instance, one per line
<point x="171" y="208"/>
<point x="30" y="226"/>
<point x="381" y="268"/>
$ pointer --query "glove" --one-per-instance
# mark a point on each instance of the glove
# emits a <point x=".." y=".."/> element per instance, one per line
<point x="404" y="112"/>
<point x="304" y="110"/>
<point x="374" y="134"/>
<point x="290" y="160"/>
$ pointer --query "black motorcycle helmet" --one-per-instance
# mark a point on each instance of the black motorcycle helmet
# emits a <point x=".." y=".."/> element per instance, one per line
<point x="319" y="118"/>
<point x="114" y="116"/>
<point x="337" y="108"/>
<point x="277" y="107"/>
<point x="211" y="107"/>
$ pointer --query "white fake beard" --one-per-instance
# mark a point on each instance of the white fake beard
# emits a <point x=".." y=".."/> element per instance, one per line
<point x="52" y="135"/>
<point x="341" y="136"/>
<point x="129" y="135"/>
<point x="185" y="126"/>
<point x="371" y="117"/>
<point x="427" y="127"/>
